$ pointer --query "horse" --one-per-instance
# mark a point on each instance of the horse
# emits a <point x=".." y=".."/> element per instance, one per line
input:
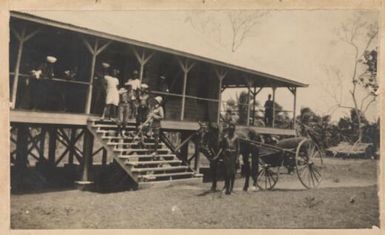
<point x="210" y="147"/>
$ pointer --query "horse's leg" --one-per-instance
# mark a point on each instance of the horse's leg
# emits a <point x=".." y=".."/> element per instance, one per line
<point x="213" y="168"/>
<point x="246" y="167"/>
<point x="254" y="165"/>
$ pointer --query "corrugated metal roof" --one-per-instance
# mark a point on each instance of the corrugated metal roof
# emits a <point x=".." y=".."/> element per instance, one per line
<point x="173" y="39"/>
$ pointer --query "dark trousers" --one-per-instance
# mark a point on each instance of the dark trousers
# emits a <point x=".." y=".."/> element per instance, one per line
<point x="156" y="132"/>
<point x="142" y="113"/>
<point x="229" y="162"/>
<point x="250" y="170"/>
<point x="110" y="111"/>
<point x="269" y="117"/>
<point x="98" y="98"/>
<point x="124" y="110"/>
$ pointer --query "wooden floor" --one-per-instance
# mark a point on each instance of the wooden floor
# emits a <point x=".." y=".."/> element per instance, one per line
<point x="33" y="117"/>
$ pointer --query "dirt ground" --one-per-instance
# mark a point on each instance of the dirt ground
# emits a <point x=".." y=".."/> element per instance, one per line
<point x="347" y="198"/>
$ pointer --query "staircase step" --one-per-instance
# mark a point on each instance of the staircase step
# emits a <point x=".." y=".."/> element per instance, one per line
<point x="124" y="156"/>
<point x="130" y="150"/>
<point x="98" y="121"/>
<point x="134" y="144"/>
<point x="136" y="163"/>
<point x="155" y="176"/>
<point x="138" y="160"/>
<point x="146" y="140"/>
<point x="169" y="168"/>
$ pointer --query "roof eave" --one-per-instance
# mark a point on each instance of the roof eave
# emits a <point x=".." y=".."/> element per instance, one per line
<point x="41" y="20"/>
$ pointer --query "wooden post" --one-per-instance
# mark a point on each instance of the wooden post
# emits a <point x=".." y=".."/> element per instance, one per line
<point x="273" y="121"/>
<point x="22" y="147"/>
<point x="42" y="145"/>
<point x="142" y="59"/>
<point x="52" y="146"/>
<point x="88" y="143"/>
<point x="295" y="107"/>
<point x="184" y="148"/>
<point x="71" y="151"/>
<point x="221" y="74"/>
<point x="104" y="157"/>
<point x="294" y="92"/>
<point x="254" y="95"/>
<point x="186" y="66"/>
<point x="22" y="38"/>
<point x="95" y="51"/>
<point x="248" y="102"/>
<point x="197" y="157"/>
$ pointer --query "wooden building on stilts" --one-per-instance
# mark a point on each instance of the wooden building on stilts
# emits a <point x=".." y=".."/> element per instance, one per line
<point x="62" y="127"/>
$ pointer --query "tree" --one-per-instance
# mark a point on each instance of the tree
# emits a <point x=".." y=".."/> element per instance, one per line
<point x="243" y="103"/>
<point x="214" y="25"/>
<point x="242" y="23"/>
<point x="359" y="34"/>
<point x="282" y="119"/>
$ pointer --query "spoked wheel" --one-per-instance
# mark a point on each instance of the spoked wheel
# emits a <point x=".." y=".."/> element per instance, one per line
<point x="267" y="176"/>
<point x="309" y="162"/>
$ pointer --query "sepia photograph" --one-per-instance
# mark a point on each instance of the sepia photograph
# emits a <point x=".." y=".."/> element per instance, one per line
<point x="194" y="119"/>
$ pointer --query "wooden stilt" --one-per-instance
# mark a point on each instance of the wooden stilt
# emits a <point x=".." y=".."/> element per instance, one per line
<point x="42" y="145"/>
<point x="184" y="148"/>
<point x="52" y="146"/>
<point x="88" y="143"/>
<point x="72" y="150"/>
<point x="22" y="147"/>
<point x="104" y="157"/>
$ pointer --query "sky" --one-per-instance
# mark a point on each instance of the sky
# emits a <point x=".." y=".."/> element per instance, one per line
<point x="300" y="45"/>
<point x="296" y="44"/>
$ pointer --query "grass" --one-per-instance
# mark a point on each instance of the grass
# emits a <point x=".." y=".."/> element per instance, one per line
<point x="352" y="202"/>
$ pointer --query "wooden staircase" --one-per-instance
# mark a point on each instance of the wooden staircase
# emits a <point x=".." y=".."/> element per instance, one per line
<point x="138" y="160"/>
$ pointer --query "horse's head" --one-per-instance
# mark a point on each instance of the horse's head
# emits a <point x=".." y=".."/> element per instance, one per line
<point x="210" y="135"/>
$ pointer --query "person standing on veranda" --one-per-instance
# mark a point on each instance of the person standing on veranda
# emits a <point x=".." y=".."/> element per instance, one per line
<point x="44" y="87"/>
<point x="269" y="111"/>
<point x="112" y="97"/>
<point x="135" y="84"/>
<point x="143" y="108"/>
<point x="125" y="107"/>
<point x="99" y="88"/>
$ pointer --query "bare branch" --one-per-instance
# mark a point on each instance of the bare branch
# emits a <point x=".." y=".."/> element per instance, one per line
<point x="368" y="105"/>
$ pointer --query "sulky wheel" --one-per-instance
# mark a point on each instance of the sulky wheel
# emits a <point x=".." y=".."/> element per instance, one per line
<point x="308" y="161"/>
<point x="267" y="176"/>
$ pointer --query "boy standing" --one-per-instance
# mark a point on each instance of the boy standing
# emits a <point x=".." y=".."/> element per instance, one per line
<point x="124" y="109"/>
<point x="157" y="115"/>
<point x="142" y="99"/>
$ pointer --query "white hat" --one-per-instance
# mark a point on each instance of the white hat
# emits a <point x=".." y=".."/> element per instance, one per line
<point x="51" y="59"/>
<point x="144" y="86"/>
<point x="159" y="99"/>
